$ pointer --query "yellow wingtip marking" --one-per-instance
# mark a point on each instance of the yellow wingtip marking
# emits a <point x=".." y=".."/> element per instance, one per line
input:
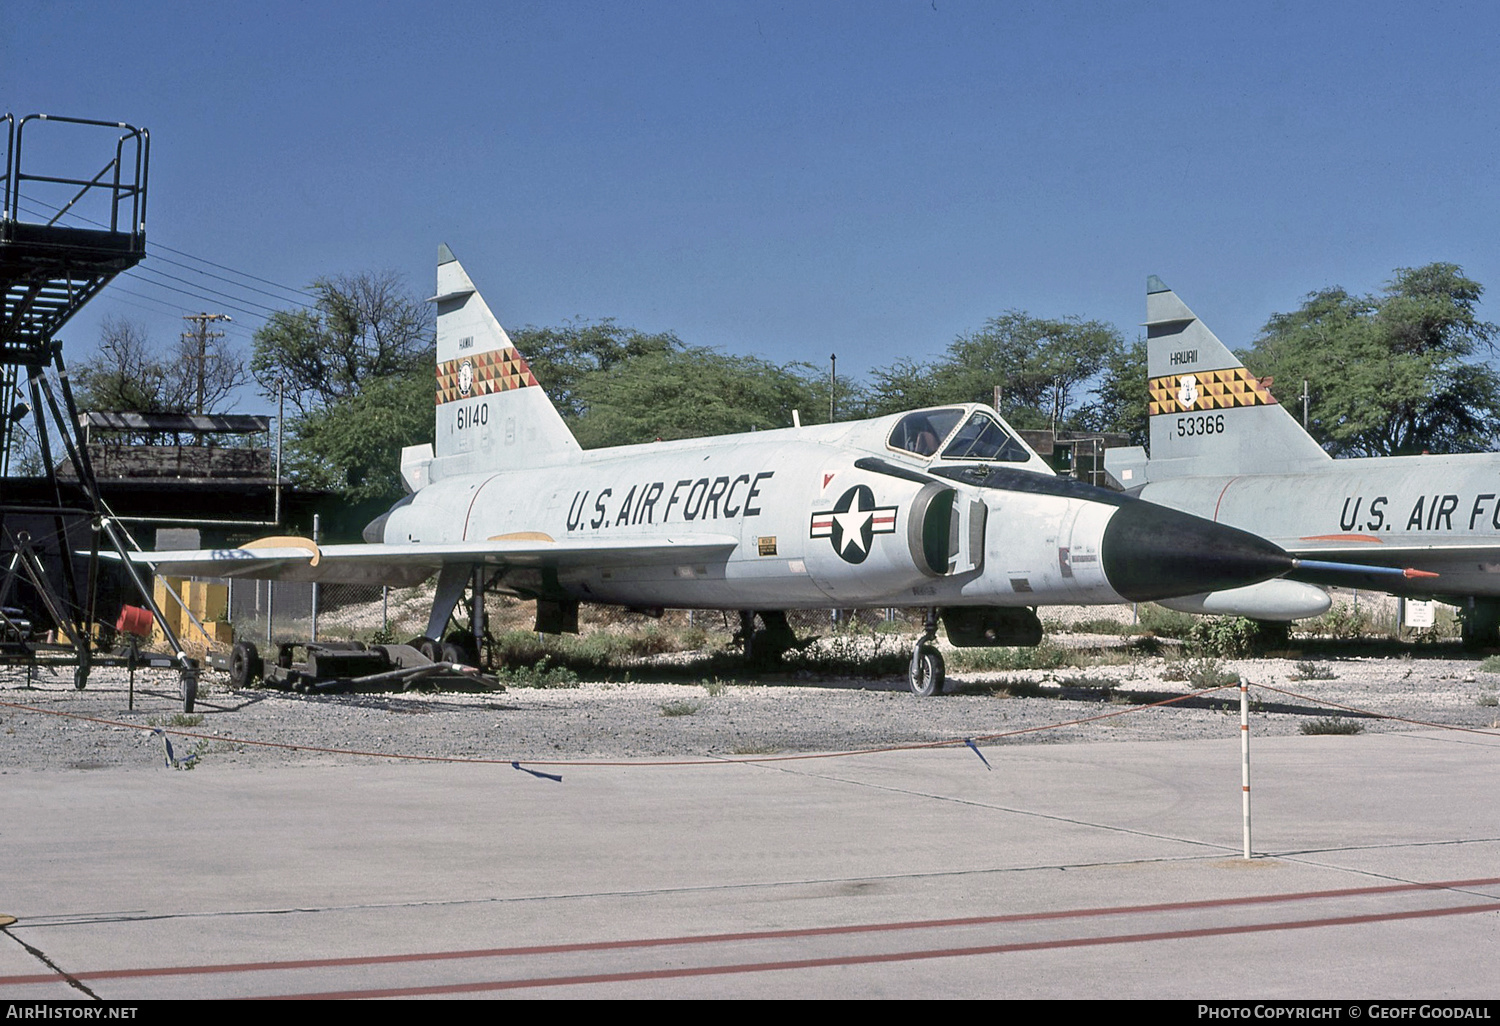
<point x="287" y="541"/>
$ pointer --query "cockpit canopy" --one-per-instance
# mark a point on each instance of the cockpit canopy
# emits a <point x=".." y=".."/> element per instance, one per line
<point x="959" y="433"/>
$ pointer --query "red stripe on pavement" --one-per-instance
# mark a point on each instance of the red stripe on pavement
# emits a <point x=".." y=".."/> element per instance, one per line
<point x="895" y="956"/>
<point x="718" y="938"/>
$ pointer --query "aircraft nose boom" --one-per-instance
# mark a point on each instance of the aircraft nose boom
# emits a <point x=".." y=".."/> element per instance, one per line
<point x="1151" y="552"/>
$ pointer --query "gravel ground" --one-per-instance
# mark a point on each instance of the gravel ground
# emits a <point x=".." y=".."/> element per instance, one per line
<point x="630" y="720"/>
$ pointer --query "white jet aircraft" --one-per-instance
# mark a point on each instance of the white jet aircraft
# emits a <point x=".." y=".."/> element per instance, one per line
<point x="1222" y="447"/>
<point x="945" y="509"/>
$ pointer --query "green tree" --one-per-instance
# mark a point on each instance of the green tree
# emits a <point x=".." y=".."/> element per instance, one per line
<point x="358" y="369"/>
<point x="353" y="446"/>
<point x="1393" y="373"/>
<point x="909" y="385"/>
<point x="1038" y="363"/>
<point x="361" y="327"/>
<point x="691" y="392"/>
<point x="126" y="375"/>
<point x="562" y="357"/>
<point x="1120" y="402"/>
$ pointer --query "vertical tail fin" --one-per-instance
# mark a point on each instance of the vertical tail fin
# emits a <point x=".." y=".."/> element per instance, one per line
<point x="1208" y="414"/>
<point x="491" y="412"/>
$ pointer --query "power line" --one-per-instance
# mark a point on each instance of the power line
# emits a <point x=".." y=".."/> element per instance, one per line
<point x="178" y="263"/>
<point x="243" y="274"/>
<point x="205" y="288"/>
<point x="41" y="209"/>
<point x="135" y="273"/>
<point x="116" y="292"/>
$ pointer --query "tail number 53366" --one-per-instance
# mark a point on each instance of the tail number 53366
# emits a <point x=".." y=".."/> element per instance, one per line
<point x="1208" y="424"/>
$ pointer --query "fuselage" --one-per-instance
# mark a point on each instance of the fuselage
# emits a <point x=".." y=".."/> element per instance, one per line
<point x="1435" y="513"/>
<point x="837" y="515"/>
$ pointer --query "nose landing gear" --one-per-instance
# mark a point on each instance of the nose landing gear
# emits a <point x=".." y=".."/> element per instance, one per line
<point x="927" y="671"/>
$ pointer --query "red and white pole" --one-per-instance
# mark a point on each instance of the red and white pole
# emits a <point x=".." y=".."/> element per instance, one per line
<point x="1245" y="759"/>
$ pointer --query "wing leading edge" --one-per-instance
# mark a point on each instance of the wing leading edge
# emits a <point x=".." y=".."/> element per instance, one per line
<point x="402" y="565"/>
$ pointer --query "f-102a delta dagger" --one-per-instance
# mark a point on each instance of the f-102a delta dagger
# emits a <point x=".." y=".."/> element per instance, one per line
<point x="944" y="509"/>
<point x="1222" y="447"/>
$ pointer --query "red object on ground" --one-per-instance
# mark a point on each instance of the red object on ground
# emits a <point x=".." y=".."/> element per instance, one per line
<point x="134" y="620"/>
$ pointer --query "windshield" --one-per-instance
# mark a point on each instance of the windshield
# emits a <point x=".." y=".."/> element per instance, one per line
<point x="982" y="438"/>
<point x="922" y="432"/>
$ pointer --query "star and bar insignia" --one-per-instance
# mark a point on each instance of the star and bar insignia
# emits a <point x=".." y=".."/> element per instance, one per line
<point x="853" y="522"/>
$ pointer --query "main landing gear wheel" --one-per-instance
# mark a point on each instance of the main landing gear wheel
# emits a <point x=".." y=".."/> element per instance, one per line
<point x="245" y="665"/>
<point x="927" y="673"/>
<point x="189" y="687"/>
<point x="459" y="647"/>
<point x="429" y="648"/>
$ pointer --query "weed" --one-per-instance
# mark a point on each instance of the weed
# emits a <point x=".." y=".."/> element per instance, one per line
<point x="1331" y="725"/>
<point x="1163" y="622"/>
<point x="680" y="708"/>
<point x="537" y="675"/>
<point x="1490" y="665"/>
<point x="1200" y="672"/>
<point x="1225" y="635"/>
<point x="714" y="687"/>
<point x="1099" y="626"/>
<point x="1087" y="683"/>
<point x="176" y="720"/>
<point x="1145" y="644"/>
<point x="764" y="749"/>
<point x="1342" y="622"/>
<point x="1021" y="689"/>
<point x="849" y="654"/>
<point x="1105" y="657"/>
<point x="1311" y="671"/>
<point x="1488" y="700"/>
<point x="1045" y="656"/>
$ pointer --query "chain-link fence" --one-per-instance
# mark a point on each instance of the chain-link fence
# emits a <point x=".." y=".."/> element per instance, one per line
<point x="297" y="611"/>
<point x="276" y="611"/>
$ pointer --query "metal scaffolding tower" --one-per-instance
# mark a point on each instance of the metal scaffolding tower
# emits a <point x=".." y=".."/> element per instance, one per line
<point x="48" y="271"/>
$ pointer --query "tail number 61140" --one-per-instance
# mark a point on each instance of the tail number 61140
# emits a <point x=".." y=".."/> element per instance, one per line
<point x="472" y="416"/>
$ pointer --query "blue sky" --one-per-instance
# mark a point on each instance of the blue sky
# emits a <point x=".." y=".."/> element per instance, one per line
<point x="792" y="179"/>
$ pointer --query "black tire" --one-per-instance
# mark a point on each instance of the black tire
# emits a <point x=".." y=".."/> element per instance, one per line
<point x="927" y="680"/>
<point x="189" y="690"/>
<point x="431" y="649"/>
<point x="245" y="665"/>
<point x="462" y="642"/>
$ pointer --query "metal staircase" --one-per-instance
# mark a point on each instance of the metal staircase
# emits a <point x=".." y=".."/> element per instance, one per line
<point x="48" y="271"/>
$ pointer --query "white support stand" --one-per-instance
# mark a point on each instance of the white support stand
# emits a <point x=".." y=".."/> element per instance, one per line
<point x="1245" y="760"/>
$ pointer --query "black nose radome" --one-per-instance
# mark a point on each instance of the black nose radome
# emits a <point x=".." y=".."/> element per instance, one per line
<point x="1151" y="552"/>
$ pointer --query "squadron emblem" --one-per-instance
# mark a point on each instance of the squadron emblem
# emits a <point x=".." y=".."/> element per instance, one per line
<point x="853" y="523"/>
<point x="1187" y="393"/>
<point x="466" y="378"/>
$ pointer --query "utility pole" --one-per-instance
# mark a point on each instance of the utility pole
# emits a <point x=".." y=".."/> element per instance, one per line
<point x="833" y="380"/>
<point x="200" y="334"/>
